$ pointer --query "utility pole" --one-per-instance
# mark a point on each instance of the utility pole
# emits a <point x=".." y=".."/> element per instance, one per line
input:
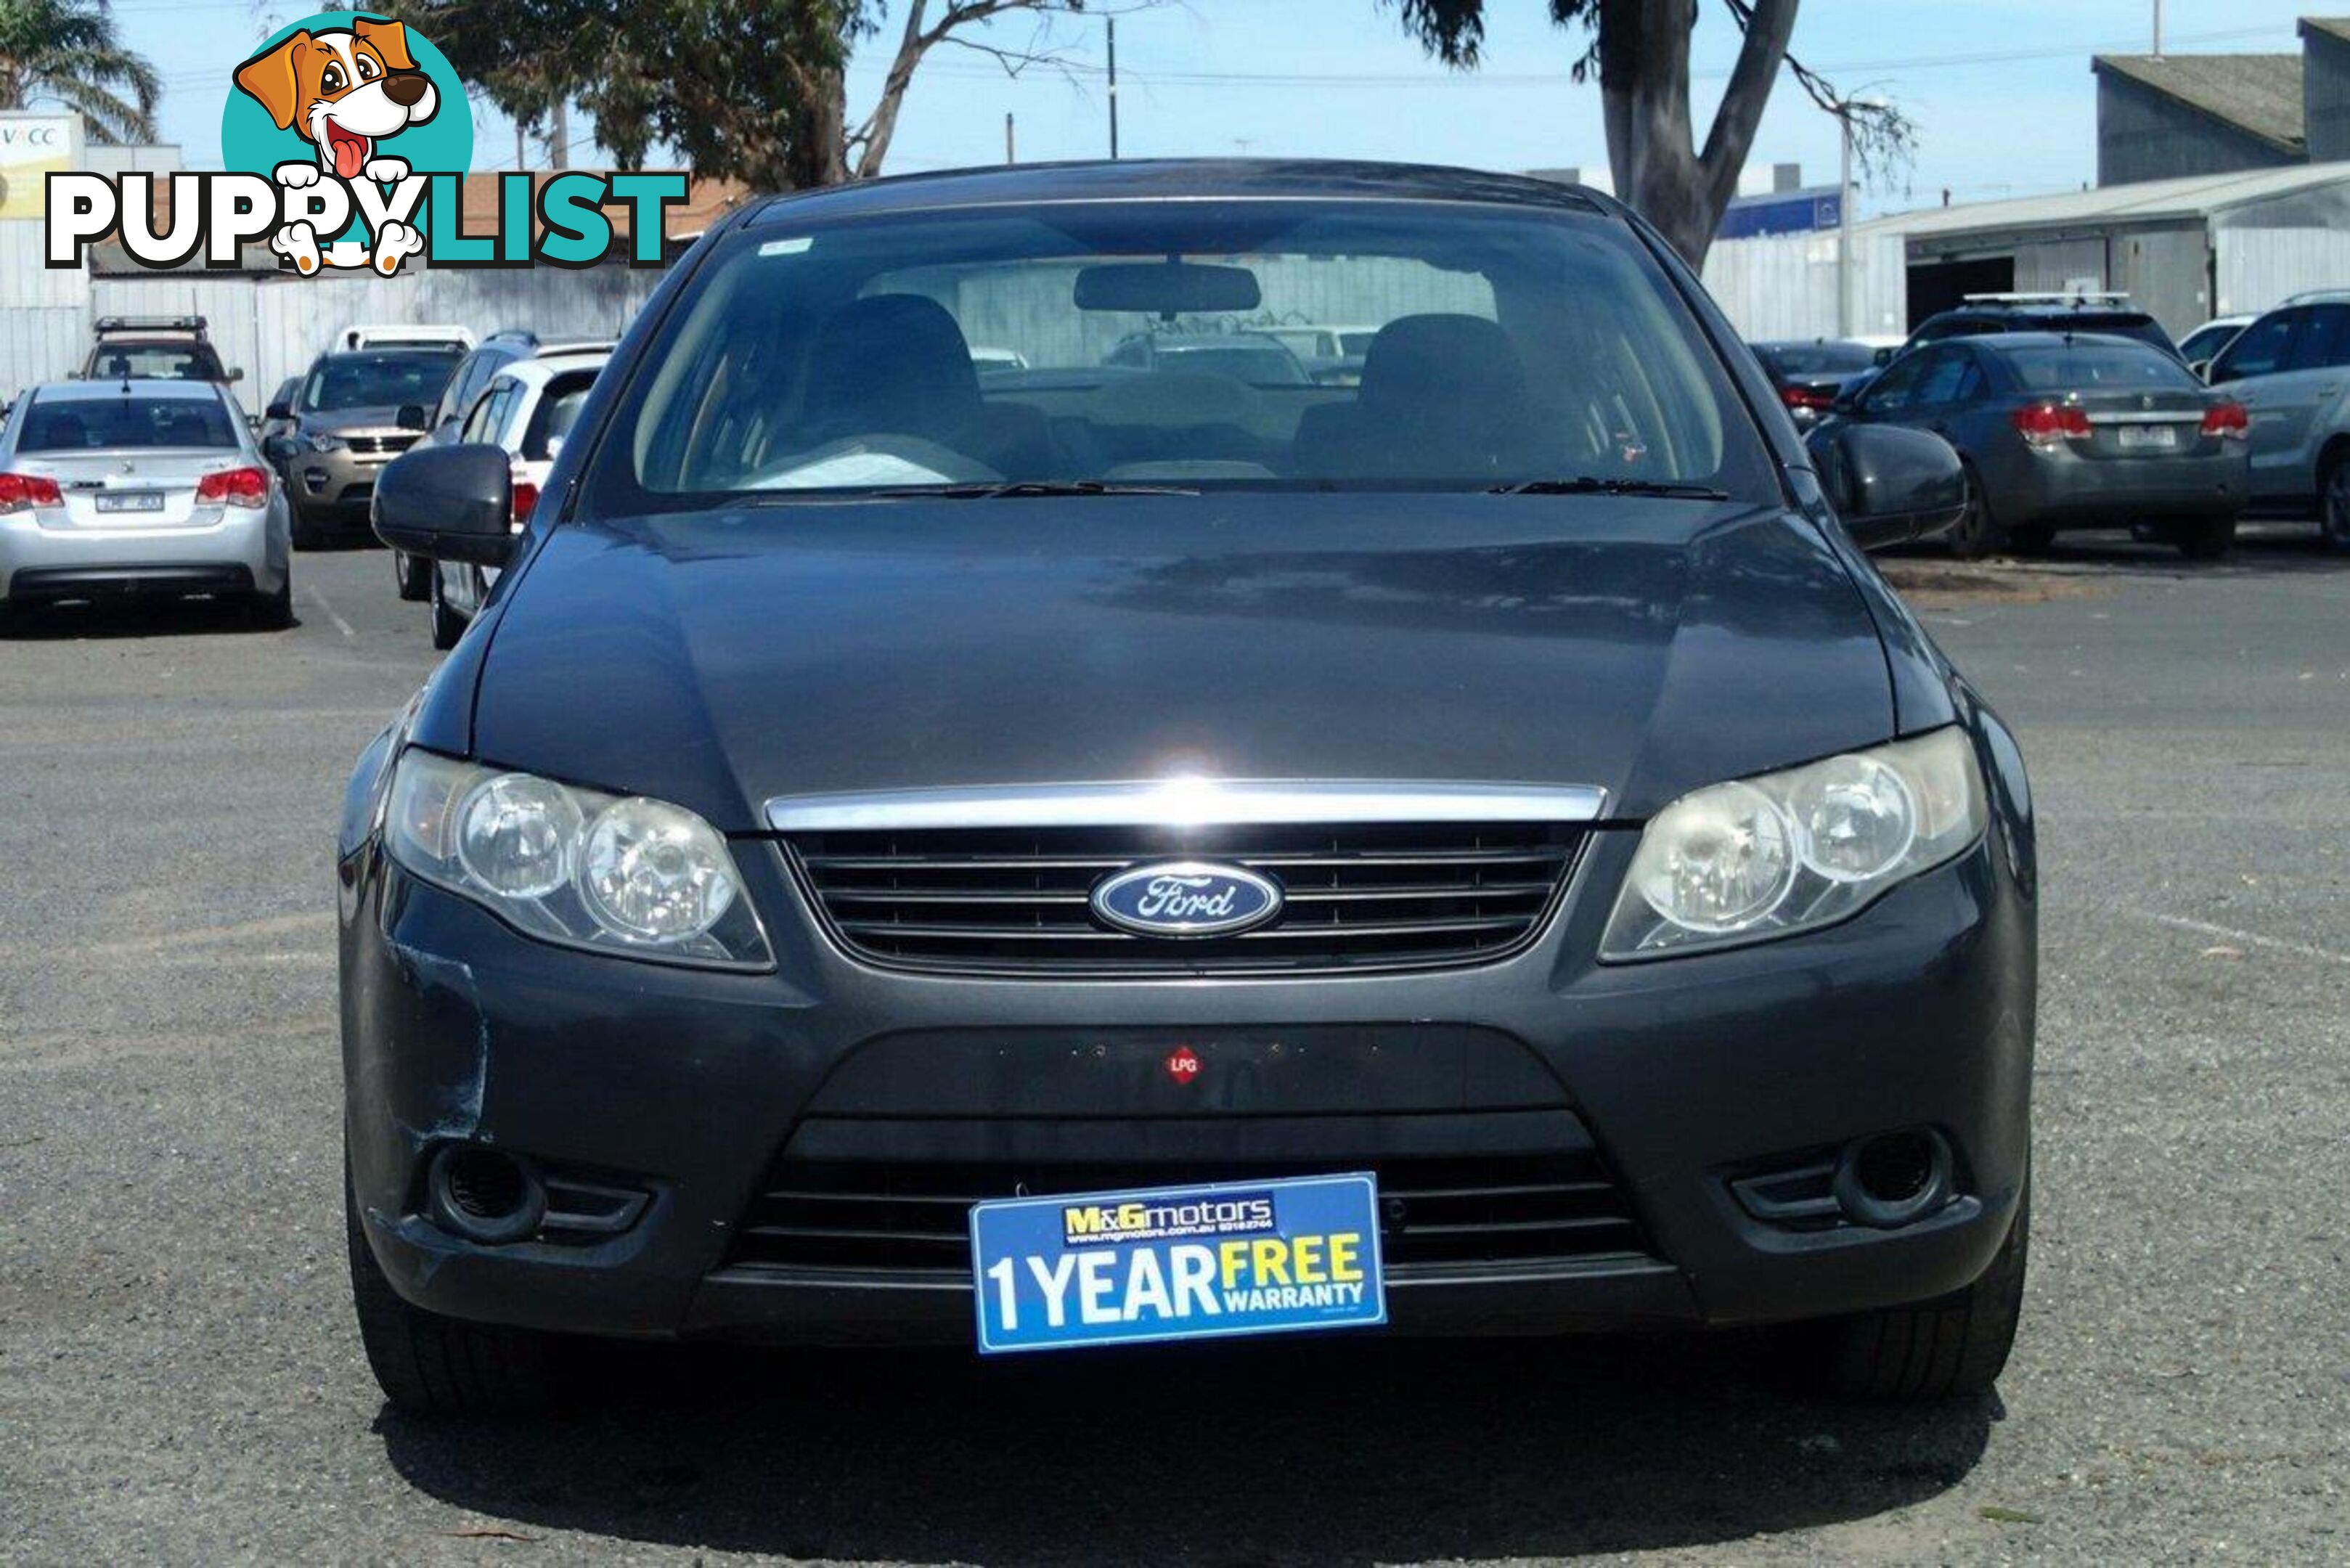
<point x="1113" y="88"/>
<point x="561" y="151"/>
<point x="1011" y="148"/>
<point x="2158" y="29"/>
<point x="1844" y="225"/>
<point x="521" y="152"/>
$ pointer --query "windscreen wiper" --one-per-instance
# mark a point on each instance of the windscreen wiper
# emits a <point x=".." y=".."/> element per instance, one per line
<point x="989" y="490"/>
<point x="1588" y="485"/>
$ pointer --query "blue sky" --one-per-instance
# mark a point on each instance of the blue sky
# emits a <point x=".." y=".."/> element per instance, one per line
<point x="2000" y="88"/>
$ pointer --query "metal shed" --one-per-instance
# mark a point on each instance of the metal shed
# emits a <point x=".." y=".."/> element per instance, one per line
<point x="2186" y="249"/>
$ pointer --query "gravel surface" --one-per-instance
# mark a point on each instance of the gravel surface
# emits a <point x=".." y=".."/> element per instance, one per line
<point x="180" y="1378"/>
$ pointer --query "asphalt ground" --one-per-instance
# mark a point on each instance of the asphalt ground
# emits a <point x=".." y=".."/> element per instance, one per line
<point x="180" y="1380"/>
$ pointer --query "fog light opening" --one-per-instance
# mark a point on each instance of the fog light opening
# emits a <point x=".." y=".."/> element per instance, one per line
<point x="484" y="1194"/>
<point x="1891" y="1178"/>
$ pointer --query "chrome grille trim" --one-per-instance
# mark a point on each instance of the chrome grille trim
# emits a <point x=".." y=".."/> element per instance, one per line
<point x="1185" y="802"/>
<point x="1019" y="900"/>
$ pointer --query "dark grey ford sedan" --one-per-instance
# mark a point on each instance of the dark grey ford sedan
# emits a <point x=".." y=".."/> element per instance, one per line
<point x="1102" y="853"/>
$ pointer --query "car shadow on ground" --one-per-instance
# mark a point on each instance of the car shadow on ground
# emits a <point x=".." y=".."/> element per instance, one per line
<point x="2262" y="549"/>
<point x="1281" y="1450"/>
<point x="111" y="619"/>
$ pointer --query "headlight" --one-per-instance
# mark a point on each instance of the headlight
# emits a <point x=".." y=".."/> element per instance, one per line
<point x="1790" y="851"/>
<point x="322" y="442"/>
<point x="573" y="866"/>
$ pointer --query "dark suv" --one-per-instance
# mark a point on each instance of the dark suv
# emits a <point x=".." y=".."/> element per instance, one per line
<point x="154" y="347"/>
<point x="1048" y="861"/>
<point x="2107" y="314"/>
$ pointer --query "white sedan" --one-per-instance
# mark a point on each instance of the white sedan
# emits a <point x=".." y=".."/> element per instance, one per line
<point x="527" y="409"/>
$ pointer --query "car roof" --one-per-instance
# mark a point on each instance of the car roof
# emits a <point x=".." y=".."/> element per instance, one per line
<point x="2009" y="342"/>
<point x="2032" y="310"/>
<point x="93" y="390"/>
<point x="1173" y="179"/>
<point x="388" y="351"/>
<point x="545" y="368"/>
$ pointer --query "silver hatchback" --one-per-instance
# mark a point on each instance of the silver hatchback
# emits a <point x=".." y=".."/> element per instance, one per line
<point x="138" y="486"/>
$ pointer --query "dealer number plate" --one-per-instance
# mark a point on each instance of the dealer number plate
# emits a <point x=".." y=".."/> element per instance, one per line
<point x="2137" y="437"/>
<point x="131" y="501"/>
<point x="1178" y="1263"/>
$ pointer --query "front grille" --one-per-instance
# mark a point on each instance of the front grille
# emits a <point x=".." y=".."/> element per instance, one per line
<point x="368" y="445"/>
<point x="1437" y="1213"/>
<point x="997" y="900"/>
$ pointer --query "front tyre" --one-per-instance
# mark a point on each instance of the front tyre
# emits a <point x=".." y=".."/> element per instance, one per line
<point x="448" y="625"/>
<point x="414" y="576"/>
<point x="1955" y="1344"/>
<point x="429" y="1364"/>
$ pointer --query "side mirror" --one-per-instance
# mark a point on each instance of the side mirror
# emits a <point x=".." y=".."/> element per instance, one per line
<point x="448" y="503"/>
<point x="412" y="417"/>
<point x="278" y="412"/>
<point x="1889" y="483"/>
<point x="279" y="449"/>
<point x="1881" y="359"/>
<point x="236" y="374"/>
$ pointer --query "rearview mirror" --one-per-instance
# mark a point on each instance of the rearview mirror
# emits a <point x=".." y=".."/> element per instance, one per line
<point x="1166" y="288"/>
<point x="412" y="417"/>
<point x="1881" y="359"/>
<point x="277" y="411"/>
<point x="448" y="503"/>
<point x="1889" y="483"/>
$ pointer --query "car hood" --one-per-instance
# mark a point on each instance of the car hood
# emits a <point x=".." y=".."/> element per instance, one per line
<point x="723" y="658"/>
<point x="326" y="421"/>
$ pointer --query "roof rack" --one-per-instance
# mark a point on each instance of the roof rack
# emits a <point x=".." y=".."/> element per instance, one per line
<point x="2081" y="296"/>
<point x="106" y="323"/>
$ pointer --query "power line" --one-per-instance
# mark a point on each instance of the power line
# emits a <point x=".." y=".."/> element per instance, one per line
<point x="1436" y="78"/>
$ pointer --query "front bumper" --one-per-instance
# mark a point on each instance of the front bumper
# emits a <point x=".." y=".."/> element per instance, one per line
<point x="1681" y="1074"/>
<point x="335" y="486"/>
<point x="239" y="553"/>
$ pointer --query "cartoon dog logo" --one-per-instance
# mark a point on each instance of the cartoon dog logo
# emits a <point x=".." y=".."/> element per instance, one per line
<point x="346" y="91"/>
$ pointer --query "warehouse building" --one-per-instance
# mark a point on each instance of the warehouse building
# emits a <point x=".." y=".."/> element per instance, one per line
<point x="2167" y="117"/>
<point x="2185" y="249"/>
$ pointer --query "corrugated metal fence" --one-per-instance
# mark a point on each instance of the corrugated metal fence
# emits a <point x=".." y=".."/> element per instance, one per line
<point x="44" y="316"/>
<point x="1785" y="285"/>
<point x="2259" y="267"/>
<point x="272" y="325"/>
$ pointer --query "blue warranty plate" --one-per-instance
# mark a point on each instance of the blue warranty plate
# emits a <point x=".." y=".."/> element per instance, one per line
<point x="1178" y="1263"/>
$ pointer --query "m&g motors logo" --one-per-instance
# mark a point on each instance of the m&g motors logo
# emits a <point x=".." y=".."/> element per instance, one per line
<point x="347" y="140"/>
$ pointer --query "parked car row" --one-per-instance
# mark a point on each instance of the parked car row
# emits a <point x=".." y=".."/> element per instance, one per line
<point x="2079" y="411"/>
<point x="140" y="474"/>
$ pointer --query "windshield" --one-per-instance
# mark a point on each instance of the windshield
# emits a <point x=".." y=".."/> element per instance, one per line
<point x="2092" y="366"/>
<point x="1511" y="347"/>
<point x="155" y="362"/>
<point x="376" y="381"/>
<point x="88" y="424"/>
